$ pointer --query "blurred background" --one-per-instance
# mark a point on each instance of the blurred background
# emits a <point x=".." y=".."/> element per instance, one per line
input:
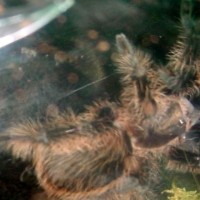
<point x="68" y="63"/>
<point x="41" y="71"/>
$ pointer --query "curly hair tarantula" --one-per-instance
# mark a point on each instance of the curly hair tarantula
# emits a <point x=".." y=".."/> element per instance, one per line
<point x="110" y="150"/>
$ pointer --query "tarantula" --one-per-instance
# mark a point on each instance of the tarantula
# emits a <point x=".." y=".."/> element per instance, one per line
<point x="110" y="150"/>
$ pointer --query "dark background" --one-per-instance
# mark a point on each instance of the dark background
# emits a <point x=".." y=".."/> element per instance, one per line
<point x="72" y="51"/>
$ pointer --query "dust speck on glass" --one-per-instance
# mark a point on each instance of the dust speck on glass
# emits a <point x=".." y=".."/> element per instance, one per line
<point x="99" y="99"/>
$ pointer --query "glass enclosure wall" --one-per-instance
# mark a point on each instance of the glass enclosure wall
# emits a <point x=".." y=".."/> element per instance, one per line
<point x="126" y="71"/>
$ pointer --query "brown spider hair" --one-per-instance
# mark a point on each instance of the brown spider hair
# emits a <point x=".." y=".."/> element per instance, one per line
<point x="110" y="150"/>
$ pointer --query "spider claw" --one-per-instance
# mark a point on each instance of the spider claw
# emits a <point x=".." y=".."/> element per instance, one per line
<point x="123" y="45"/>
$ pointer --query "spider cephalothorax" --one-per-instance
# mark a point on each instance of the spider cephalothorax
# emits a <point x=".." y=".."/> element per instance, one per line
<point x="109" y="151"/>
